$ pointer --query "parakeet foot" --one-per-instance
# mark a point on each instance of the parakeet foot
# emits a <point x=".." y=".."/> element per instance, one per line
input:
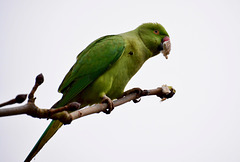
<point x="133" y="90"/>
<point x="110" y="107"/>
<point x="138" y="91"/>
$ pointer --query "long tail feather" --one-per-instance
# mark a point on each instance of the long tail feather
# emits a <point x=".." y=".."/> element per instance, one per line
<point x="49" y="132"/>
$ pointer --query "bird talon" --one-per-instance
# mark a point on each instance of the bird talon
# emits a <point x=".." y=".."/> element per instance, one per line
<point x="138" y="91"/>
<point x="109" y="102"/>
<point x="137" y="100"/>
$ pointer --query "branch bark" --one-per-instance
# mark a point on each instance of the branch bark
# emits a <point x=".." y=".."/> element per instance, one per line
<point x="71" y="111"/>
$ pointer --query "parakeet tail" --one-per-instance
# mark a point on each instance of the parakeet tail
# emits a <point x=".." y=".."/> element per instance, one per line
<point x="48" y="133"/>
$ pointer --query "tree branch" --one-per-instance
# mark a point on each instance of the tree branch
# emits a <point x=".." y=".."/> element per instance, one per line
<point x="71" y="111"/>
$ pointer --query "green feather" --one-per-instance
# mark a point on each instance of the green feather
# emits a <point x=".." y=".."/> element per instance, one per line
<point x="90" y="64"/>
<point x="48" y="133"/>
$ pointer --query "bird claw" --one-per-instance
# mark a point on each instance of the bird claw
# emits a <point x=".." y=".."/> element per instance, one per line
<point x="137" y="100"/>
<point x="139" y="93"/>
<point x="109" y="102"/>
<point x="133" y="90"/>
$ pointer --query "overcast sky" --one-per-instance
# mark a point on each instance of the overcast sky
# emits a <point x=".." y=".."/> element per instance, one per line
<point x="200" y="123"/>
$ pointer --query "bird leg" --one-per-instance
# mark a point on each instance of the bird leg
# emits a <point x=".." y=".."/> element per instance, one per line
<point x="109" y="102"/>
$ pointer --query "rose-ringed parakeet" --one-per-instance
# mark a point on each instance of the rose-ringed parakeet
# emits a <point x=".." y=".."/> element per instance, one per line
<point x="103" y="69"/>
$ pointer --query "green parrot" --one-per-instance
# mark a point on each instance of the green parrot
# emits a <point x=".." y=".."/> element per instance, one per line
<point x="103" y="69"/>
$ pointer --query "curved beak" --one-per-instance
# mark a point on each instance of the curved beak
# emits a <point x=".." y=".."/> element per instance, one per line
<point x="166" y="46"/>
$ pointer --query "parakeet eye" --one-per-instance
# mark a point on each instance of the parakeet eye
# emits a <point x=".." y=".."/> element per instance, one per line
<point x="156" y="32"/>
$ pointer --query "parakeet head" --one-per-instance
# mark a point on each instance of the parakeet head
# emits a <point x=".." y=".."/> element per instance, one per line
<point x="154" y="36"/>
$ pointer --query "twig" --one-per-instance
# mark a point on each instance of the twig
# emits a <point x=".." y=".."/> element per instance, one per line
<point x="38" y="81"/>
<point x="18" y="99"/>
<point x="71" y="111"/>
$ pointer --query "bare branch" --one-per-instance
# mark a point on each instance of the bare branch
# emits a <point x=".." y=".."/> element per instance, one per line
<point x="163" y="92"/>
<point x="71" y="111"/>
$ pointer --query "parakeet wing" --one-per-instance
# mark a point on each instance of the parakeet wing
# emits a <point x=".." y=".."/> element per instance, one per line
<point x="91" y="63"/>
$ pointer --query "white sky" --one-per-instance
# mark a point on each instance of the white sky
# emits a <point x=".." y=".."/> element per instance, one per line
<point x="200" y="123"/>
